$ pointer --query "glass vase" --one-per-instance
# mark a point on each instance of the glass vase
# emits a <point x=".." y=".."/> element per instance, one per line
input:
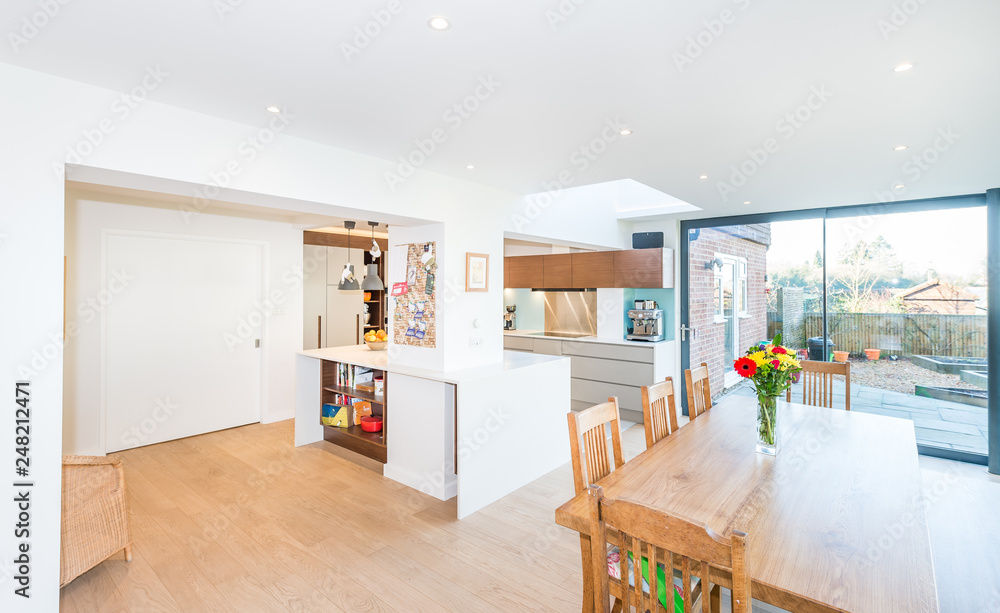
<point x="767" y="424"/>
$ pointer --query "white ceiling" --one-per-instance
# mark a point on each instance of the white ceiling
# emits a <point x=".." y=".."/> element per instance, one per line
<point x="607" y="61"/>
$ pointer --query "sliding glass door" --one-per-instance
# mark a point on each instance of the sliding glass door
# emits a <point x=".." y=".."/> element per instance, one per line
<point x="900" y="291"/>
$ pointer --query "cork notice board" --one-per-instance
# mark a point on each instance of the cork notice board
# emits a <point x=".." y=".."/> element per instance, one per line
<point x="414" y="316"/>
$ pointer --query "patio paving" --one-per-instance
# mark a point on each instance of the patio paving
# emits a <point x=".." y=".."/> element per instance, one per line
<point x="938" y="423"/>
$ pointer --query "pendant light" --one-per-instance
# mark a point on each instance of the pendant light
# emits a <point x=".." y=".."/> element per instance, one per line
<point x="372" y="282"/>
<point x="347" y="280"/>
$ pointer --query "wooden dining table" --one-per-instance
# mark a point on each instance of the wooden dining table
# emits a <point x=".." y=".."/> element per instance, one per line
<point x="835" y="521"/>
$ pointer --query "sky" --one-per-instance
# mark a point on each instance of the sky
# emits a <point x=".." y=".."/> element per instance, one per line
<point x="952" y="242"/>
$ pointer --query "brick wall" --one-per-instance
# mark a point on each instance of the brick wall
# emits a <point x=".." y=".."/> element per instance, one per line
<point x="750" y="242"/>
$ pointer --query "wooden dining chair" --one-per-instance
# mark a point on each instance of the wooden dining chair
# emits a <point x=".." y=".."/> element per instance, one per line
<point x="817" y="383"/>
<point x="659" y="413"/>
<point x="699" y="392"/>
<point x="589" y="443"/>
<point x="647" y="532"/>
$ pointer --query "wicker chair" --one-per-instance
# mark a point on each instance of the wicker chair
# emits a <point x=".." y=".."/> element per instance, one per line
<point x="95" y="515"/>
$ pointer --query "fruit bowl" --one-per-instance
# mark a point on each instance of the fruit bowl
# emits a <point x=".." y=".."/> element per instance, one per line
<point x="376" y="345"/>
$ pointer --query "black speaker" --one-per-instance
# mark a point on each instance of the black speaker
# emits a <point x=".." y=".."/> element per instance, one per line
<point x="647" y="240"/>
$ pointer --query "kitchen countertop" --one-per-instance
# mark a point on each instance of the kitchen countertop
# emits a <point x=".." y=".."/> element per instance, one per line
<point x="363" y="356"/>
<point x="582" y="339"/>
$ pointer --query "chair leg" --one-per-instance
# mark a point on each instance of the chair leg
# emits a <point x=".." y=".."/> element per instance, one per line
<point x="128" y="553"/>
<point x="715" y="600"/>
<point x="588" y="576"/>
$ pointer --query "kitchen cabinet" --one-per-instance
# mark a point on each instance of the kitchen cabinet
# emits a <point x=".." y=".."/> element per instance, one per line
<point x="644" y="268"/>
<point x="331" y="318"/>
<point x="526" y="271"/>
<point x="639" y="268"/>
<point x="593" y="269"/>
<point x="557" y="271"/>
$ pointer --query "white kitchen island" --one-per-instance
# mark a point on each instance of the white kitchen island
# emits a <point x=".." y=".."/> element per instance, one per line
<point x="478" y="433"/>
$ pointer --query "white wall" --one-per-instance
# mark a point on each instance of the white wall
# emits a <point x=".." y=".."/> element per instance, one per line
<point x="47" y="117"/>
<point x="87" y="214"/>
<point x="409" y="355"/>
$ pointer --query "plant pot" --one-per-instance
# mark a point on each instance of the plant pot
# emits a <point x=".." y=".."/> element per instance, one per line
<point x="841" y="356"/>
<point x="872" y="354"/>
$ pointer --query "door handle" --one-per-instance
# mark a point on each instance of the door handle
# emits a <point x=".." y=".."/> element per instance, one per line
<point x="685" y="330"/>
<point x="319" y="331"/>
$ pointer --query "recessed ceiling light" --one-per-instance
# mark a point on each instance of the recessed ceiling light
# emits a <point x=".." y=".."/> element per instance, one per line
<point x="624" y="131"/>
<point x="747" y="202"/>
<point x="274" y="109"/>
<point x="703" y="177"/>
<point x="903" y="67"/>
<point x="898" y="186"/>
<point x="900" y="147"/>
<point x="438" y="23"/>
<point x="470" y="166"/>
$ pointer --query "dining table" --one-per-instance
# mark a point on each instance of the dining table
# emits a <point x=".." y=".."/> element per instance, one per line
<point x="834" y="522"/>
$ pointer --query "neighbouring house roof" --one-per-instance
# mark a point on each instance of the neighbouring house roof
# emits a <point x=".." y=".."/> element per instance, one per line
<point x="935" y="296"/>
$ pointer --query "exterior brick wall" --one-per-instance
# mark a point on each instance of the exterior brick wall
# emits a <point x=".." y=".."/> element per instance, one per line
<point x="749" y="242"/>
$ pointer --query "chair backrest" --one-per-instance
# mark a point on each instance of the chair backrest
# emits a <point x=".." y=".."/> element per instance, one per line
<point x="589" y="443"/>
<point x="649" y="533"/>
<point x="658" y="410"/>
<point x="817" y="383"/>
<point x="698" y="390"/>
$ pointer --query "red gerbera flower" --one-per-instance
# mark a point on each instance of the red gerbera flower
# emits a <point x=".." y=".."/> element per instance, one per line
<point x="745" y="366"/>
<point x="775" y="363"/>
<point x="779" y="349"/>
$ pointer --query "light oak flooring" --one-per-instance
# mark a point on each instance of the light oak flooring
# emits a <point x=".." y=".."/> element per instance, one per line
<point x="242" y="521"/>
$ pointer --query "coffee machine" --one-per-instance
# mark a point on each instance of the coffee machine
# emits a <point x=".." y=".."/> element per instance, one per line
<point x="647" y="325"/>
<point x="509" y="317"/>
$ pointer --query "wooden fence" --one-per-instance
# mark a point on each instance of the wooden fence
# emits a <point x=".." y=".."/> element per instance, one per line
<point x="899" y="333"/>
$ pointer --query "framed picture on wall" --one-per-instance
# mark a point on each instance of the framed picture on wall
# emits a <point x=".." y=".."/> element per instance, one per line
<point x="477" y="272"/>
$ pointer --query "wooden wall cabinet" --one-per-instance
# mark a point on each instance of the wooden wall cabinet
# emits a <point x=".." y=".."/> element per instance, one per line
<point x="644" y="268"/>
<point x="593" y="269"/>
<point x="557" y="271"/>
<point x="526" y="271"/>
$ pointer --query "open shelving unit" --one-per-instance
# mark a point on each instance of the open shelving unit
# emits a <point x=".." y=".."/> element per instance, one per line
<point x="368" y="444"/>
<point x="377" y="303"/>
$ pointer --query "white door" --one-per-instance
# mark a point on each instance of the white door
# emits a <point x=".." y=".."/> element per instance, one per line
<point x="344" y="310"/>
<point x="180" y="341"/>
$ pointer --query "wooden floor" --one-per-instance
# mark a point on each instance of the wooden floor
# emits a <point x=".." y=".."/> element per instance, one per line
<point x="242" y="521"/>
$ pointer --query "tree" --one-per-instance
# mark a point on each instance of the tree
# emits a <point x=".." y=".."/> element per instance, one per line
<point x="865" y="271"/>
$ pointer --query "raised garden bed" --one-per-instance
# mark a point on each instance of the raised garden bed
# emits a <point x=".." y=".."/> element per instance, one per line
<point x="947" y="364"/>
<point x="976" y="398"/>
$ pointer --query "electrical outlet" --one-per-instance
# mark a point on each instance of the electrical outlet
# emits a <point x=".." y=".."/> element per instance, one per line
<point x="475" y="341"/>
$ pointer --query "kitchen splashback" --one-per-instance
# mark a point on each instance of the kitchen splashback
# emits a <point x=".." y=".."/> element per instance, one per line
<point x="571" y="312"/>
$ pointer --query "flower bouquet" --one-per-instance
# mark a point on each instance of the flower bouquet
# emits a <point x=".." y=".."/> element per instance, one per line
<point x="770" y="369"/>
